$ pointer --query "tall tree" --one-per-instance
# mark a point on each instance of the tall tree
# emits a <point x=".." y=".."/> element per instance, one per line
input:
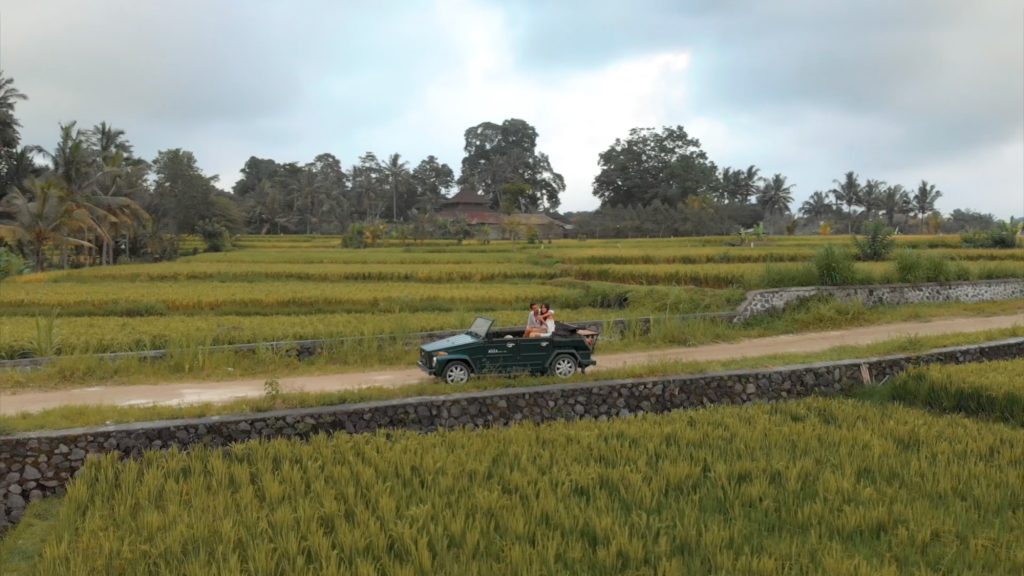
<point x="9" y="136"/>
<point x="42" y="218"/>
<point x="498" y="155"/>
<point x="398" y="181"/>
<point x="775" y="196"/>
<point x="666" y="165"/>
<point x="895" y="201"/>
<point x="433" y="180"/>
<point x="924" y="201"/>
<point x="332" y="187"/>
<point x="847" y="192"/>
<point x="817" y="207"/>
<point x="182" y="194"/>
<point x="749" y="184"/>
<point x="368" y="187"/>
<point x="871" y="197"/>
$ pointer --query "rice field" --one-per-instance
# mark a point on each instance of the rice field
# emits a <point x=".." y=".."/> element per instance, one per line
<point x="827" y="486"/>
<point x="301" y="287"/>
<point x="993" y="391"/>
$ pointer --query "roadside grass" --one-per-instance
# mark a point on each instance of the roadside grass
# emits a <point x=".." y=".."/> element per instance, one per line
<point x="100" y="415"/>
<point x="20" y="548"/>
<point x="828" y="486"/>
<point x="188" y="362"/>
<point x="992" y="391"/>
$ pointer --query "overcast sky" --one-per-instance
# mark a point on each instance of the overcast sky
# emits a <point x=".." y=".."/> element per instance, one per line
<point x="901" y="91"/>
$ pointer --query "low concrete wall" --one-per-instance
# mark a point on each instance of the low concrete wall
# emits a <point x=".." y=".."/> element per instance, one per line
<point x="36" y="465"/>
<point x="761" y="301"/>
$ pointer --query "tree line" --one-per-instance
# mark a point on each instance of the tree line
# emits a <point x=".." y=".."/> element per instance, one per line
<point x="91" y="199"/>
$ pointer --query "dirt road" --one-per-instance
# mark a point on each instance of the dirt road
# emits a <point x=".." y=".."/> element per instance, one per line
<point x="199" y="392"/>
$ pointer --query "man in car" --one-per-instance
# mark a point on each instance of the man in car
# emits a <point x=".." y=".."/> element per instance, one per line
<point x="533" y="322"/>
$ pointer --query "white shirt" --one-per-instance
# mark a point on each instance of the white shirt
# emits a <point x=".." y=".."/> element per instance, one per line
<point x="532" y="321"/>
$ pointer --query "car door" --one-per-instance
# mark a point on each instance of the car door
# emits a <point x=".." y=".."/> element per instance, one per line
<point x="534" y="354"/>
<point x="496" y="354"/>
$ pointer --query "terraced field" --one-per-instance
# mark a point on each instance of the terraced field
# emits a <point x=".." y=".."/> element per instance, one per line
<point x="306" y="287"/>
<point x="299" y="287"/>
<point x="826" y="486"/>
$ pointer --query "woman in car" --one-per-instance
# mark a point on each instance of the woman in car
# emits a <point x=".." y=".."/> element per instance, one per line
<point x="547" y="316"/>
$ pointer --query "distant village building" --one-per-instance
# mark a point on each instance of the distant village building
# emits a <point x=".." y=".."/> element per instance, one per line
<point x="477" y="212"/>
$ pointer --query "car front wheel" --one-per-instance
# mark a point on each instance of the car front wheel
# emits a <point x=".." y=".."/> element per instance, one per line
<point x="456" y="373"/>
<point x="564" y="366"/>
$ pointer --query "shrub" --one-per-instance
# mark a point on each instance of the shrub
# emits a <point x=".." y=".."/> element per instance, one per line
<point x="163" y="247"/>
<point x="355" y="237"/>
<point x="877" y="242"/>
<point x="834" y="267"/>
<point x="214" y="234"/>
<point x="1004" y="235"/>
<point x="11" y="264"/>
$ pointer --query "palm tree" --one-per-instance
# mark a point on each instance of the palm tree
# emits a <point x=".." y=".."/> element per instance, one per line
<point x="48" y="218"/>
<point x="309" y="202"/>
<point x="91" y="166"/>
<point x="748" y="183"/>
<point x="895" y="200"/>
<point x="848" y="192"/>
<point x="775" y="196"/>
<point x="924" y="200"/>
<point x="9" y="96"/>
<point x="816" y="207"/>
<point x="396" y="172"/>
<point x="871" y="197"/>
<point x="18" y="168"/>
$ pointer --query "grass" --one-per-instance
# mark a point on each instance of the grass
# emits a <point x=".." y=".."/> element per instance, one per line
<point x="97" y="415"/>
<point x="829" y="486"/>
<point x="306" y="287"/>
<point x="993" y="391"/>
<point x="189" y="362"/>
<point x="20" y="548"/>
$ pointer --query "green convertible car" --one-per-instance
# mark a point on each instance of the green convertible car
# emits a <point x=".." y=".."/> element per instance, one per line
<point x="481" y="350"/>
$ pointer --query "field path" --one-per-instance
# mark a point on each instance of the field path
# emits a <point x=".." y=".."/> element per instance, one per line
<point x="224" y="391"/>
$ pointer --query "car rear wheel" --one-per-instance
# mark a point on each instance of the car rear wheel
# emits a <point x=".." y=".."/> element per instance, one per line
<point x="564" y="366"/>
<point x="456" y="373"/>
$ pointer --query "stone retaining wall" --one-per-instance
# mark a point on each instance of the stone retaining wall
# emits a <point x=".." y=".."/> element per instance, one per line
<point x="761" y="301"/>
<point x="35" y="465"/>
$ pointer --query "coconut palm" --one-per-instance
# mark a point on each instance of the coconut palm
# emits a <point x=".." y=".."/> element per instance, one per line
<point x="18" y="168"/>
<point x="848" y="192"/>
<point x="396" y="174"/>
<point x="9" y="96"/>
<point x="895" y="201"/>
<point x="871" y="197"/>
<point x="94" y="168"/>
<point x="775" y="196"/>
<point x="924" y="201"/>
<point x="748" y="184"/>
<point x="817" y="207"/>
<point x="48" y="219"/>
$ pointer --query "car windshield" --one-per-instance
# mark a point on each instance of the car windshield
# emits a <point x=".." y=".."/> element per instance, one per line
<point x="480" y="327"/>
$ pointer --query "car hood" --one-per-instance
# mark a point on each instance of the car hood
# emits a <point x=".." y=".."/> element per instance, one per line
<point x="449" y="342"/>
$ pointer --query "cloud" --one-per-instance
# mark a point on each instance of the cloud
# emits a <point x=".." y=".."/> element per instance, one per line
<point x="903" y="91"/>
